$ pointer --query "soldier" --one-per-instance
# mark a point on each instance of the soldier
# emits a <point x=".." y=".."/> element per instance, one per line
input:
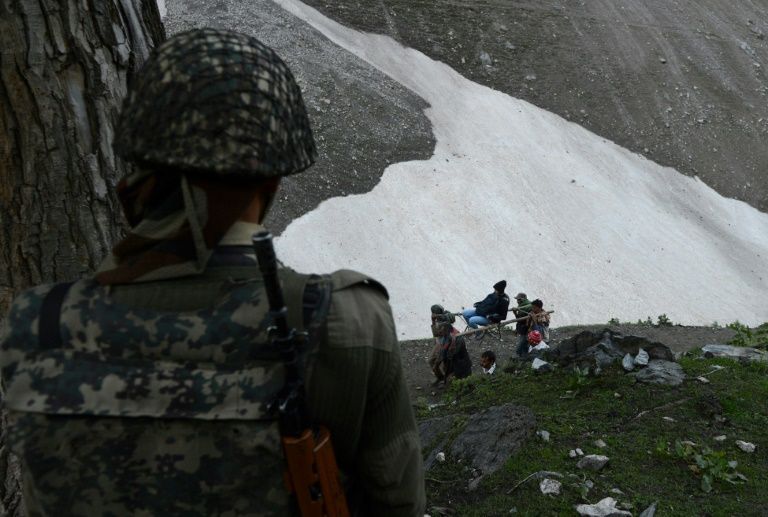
<point x="146" y="389"/>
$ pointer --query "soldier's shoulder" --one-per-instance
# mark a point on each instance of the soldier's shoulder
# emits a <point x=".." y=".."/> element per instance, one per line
<point x="347" y="278"/>
<point x="360" y="315"/>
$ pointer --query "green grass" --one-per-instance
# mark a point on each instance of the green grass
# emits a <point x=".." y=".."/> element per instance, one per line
<point x="643" y="463"/>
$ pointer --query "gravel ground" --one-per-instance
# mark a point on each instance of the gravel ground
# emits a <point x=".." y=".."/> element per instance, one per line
<point x="419" y="378"/>
<point x="361" y="119"/>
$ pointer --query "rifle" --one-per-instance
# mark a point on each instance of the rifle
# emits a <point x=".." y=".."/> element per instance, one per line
<point x="311" y="474"/>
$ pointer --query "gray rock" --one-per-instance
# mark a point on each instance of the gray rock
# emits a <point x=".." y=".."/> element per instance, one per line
<point x="550" y="486"/>
<point x="628" y="363"/>
<point x="491" y="436"/>
<point x="741" y="353"/>
<point x="745" y="446"/>
<point x="600" y="444"/>
<point x="544" y="435"/>
<point x="661" y="372"/>
<point x="650" y="511"/>
<point x="604" y="508"/>
<point x="606" y="347"/>
<point x="642" y="358"/>
<point x="593" y="462"/>
<point x="485" y="58"/>
<point x="541" y="366"/>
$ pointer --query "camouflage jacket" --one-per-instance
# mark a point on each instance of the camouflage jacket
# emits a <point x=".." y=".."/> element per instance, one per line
<point x="154" y="401"/>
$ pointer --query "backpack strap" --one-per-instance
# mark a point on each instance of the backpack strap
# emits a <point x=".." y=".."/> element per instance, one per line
<point x="49" y="334"/>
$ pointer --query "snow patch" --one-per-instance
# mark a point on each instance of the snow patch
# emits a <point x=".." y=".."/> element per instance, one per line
<point x="515" y="192"/>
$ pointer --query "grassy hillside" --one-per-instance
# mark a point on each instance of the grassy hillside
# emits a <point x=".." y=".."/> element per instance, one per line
<point x="647" y="461"/>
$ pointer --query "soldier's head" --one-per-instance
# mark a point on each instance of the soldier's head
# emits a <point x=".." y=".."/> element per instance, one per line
<point x="499" y="287"/>
<point x="537" y="306"/>
<point x="220" y="106"/>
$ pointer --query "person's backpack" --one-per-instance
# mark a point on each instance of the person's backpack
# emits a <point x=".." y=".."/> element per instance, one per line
<point x="122" y="411"/>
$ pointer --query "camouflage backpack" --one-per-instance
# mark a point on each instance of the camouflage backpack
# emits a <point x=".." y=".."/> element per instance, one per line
<point x="116" y="410"/>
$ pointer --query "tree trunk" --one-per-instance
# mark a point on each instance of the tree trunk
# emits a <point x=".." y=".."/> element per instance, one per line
<point x="64" y="66"/>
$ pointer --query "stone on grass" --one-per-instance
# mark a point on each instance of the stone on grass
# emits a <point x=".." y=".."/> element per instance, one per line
<point x="440" y="457"/>
<point x="593" y="462"/>
<point x="579" y="452"/>
<point x="544" y="435"/>
<point x="662" y="372"/>
<point x="541" y="366"/>
<point x="628" y="363"/>
<point x="604" y="508"/>
<point x="702" y="380"/>
<point x="550" y="486"/>
<point x="668" y="419"/>
<point x="600" y="444"/>
<point x="572" y="453"/>
<point x="641" y="359"/>
<point x="650" y="511"/>
<point x="742" y="353"/>
<point x="745" y="446"/>
<point x="720" y="438"/>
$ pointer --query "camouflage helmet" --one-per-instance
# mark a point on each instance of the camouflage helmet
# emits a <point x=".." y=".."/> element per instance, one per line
<point x="218" y="102"/>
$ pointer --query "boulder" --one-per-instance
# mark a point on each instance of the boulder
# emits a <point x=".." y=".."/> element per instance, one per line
<point x="628" y="363"/>
<point x="661" y="372"/>
<point x="541" y="366"/>
<point x="740" y="353"/>
<point x="593" y="462"/>
<point x="491" y="436"/>
<point x="604" y="508"/>
<point x="606" y="347"/>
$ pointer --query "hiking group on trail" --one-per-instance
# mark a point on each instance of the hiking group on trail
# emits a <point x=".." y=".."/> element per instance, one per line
<point x="449" y="358"/>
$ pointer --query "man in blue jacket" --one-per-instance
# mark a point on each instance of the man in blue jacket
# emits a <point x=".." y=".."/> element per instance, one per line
<point x="492" y="309"/>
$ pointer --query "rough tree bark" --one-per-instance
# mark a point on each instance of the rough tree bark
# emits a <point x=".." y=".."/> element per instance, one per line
<point x="64" y="66"/>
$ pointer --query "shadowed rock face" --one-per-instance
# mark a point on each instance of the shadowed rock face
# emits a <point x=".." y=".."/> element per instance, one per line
<point x="487" y="440"/>
<point x="361" y="119"/>
<point x="683" y="83"/>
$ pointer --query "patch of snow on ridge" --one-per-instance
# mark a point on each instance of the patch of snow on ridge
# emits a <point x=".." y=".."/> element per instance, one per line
<point x="515" y="192"/>
<point x="162" y="8"/>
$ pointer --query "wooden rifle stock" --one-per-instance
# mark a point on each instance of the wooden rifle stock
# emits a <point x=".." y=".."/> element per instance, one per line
<point x="312" y="473"/>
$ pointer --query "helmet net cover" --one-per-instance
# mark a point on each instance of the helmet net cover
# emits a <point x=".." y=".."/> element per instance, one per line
<point x="217" y="102"/>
